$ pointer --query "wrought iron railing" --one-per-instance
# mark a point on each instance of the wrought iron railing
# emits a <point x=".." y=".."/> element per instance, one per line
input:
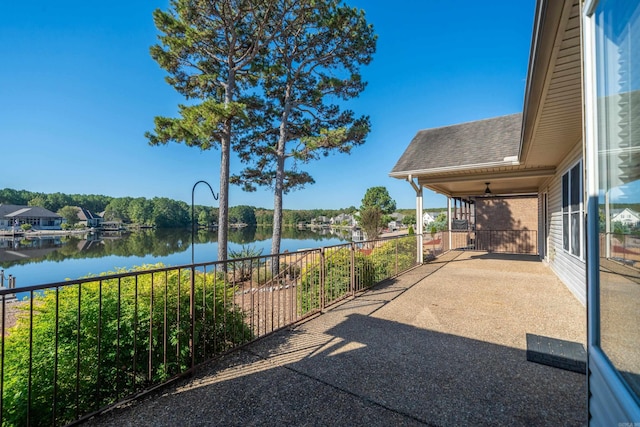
<point x="71" y="349"/>
<point x="499" y="241"/>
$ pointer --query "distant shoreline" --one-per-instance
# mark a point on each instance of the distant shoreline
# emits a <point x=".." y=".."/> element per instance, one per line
<point x="42" y="233"/>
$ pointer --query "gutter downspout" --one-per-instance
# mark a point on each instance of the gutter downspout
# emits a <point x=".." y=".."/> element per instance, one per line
<point x="419" y="220"/>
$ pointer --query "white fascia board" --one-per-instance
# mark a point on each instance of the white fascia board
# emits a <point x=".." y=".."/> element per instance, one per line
<point x="514" y="174"/>
<point x="459" y="168"/>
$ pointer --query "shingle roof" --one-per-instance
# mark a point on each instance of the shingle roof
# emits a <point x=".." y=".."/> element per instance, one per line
<point x="13" y="211"/>
<point x="85" y="214"/>
<point x="472" y="143"/>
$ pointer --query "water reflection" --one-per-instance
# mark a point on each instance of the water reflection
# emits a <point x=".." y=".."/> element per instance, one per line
<point x="154" y="243"/>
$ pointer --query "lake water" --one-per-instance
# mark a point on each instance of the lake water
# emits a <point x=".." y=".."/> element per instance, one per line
<point x="57" y="258"/>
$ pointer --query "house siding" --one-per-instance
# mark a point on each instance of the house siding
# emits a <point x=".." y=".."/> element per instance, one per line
<point x="569" y="268"/>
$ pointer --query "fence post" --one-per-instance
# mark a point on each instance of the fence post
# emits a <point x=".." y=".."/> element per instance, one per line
<point x="322" y="278"/>
<point x="490" y="238"/>
<point x="396" y="242"/>
<point x="353" y="269"/>
<point x="192" y="316"/>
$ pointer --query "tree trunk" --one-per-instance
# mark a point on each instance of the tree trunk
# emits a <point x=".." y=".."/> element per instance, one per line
<point x="223" y="211"/>
<point x="225" y="152"/>
<point x="277" y="195"/>
<point x="279" y="183"/>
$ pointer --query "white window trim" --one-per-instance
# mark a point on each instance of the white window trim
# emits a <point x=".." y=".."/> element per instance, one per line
<point x="581" y="211"/>
<point x="597" y="360"/>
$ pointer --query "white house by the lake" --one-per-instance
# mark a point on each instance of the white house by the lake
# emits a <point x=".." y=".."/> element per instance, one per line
<point x="343" y="219"/>
<point x="427" y="218"/>
<point x="13" y="216"/>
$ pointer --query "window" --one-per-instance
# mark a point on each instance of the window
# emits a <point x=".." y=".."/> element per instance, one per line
<point x="617" y="105"/>
<point x="572" y="207"/>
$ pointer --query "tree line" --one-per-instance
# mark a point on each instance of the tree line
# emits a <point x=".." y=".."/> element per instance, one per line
<point x="54" y="201"/>
<point x="159" y="212"/>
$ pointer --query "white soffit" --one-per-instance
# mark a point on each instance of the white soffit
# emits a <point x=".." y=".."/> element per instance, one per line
<point x="558" y="125"/>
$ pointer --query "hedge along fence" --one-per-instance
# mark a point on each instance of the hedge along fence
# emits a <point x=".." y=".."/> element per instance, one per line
<point x="346" y="269"/>
<point x="78" y="348"/>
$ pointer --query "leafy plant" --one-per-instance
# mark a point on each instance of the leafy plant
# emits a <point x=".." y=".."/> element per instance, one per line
<point x="88" y="345"/>
<point x="393" y="256"/>
<point x="370" y="267"/>
<point x="243" y="269"/>
<point x="337" y="278"/>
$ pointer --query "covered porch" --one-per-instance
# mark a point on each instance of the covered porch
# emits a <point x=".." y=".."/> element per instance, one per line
<point x="429" y="347"/>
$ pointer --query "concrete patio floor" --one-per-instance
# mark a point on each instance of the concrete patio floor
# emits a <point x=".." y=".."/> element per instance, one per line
<point x="443" y="344"/>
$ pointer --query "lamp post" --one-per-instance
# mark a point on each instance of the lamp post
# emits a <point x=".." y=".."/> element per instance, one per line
<point x="192" y="296"/>
<point x="193" y="225"/>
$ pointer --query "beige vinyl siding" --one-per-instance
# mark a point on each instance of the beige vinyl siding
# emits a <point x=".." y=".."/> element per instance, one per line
<point x="569" y="268"/>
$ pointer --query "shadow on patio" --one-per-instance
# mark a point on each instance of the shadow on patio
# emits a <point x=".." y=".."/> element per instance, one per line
<point x="442" y="344"/>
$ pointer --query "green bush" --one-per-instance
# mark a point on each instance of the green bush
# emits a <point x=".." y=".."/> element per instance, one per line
<point x="243" y="270"/>
<point x="104" y="348"/>
<point x="337" y="278"/>
<point x="384" y="257"/>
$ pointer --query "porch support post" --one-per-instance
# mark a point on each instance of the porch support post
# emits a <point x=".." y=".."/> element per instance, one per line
<point x="419" y="220"/>
<point x="449" y="221"/>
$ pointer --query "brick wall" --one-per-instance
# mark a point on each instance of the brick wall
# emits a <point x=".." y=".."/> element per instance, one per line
<point x="496" y="213"/>
<point x="502" y="216"/>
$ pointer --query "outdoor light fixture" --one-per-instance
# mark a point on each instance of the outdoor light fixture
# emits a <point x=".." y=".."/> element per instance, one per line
<point x="487" y="191"/>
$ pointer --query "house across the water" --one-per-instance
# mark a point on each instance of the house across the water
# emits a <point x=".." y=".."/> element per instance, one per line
<point x="13" y="216"/>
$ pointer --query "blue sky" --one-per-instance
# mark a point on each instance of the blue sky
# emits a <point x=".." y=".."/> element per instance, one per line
<point x="78" y="90"/>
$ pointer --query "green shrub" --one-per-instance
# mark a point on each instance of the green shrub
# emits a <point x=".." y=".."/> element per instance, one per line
<point x="105" y="347"/>
<point x="401" y="251"/>
<point x="243" y="270"/>
<point x="337" y="278"/>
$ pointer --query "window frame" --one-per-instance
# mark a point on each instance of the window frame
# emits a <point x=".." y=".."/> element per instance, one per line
<point x="568" y="211"/>
<point x="615" y="394"/>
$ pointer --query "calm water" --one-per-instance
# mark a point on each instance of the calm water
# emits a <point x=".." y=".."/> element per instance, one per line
<point x="54" y="259"/>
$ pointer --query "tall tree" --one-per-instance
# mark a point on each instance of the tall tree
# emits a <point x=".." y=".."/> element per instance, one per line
<point x="380" y="198"/>
<point x="312" y="65"/>
<point x="375" y="204"/>
<point x="209" y="49"/>
<point x="70" y="213"/>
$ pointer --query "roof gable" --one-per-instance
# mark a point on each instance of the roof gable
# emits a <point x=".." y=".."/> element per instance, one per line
<point x="13" y="211"/>
<point x="468" y="144"/>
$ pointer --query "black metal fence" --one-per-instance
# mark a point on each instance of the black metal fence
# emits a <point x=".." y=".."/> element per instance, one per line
<point x="70" y="349"/>
<point x="499" y="241"/>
